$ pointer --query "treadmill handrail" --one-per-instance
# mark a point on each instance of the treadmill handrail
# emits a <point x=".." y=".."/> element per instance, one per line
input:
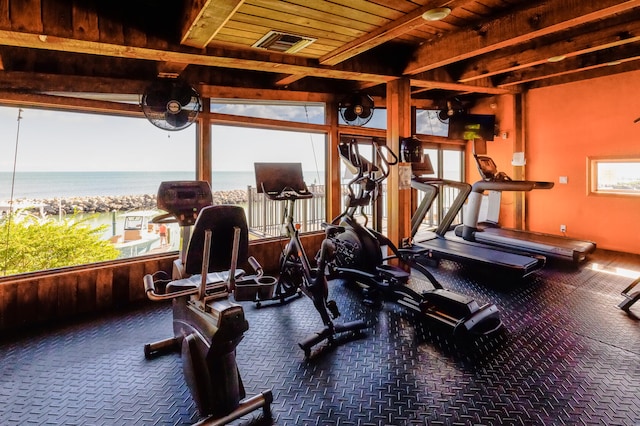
<point x="510" y="185"/>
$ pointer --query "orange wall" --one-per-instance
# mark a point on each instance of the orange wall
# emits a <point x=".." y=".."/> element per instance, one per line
<point x="500" y="150"/>
<point x="566" y="124"/>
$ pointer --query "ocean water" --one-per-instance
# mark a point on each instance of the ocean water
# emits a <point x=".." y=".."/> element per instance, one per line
<point x="46" y="185"/>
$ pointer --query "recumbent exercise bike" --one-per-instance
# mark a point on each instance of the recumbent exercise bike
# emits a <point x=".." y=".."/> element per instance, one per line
<point x="359" y="257"/>
<point x="207" y="325"/>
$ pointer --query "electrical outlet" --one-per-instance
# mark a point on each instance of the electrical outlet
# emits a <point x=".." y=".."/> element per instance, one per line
<point x="563" y="228"/>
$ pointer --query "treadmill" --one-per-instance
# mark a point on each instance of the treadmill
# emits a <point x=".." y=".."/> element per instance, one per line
<point x="489" y="233"/>
<point x="433" y="246"/>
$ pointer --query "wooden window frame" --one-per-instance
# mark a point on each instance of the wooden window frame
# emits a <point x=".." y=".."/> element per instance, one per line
<point x="592" y="175"/>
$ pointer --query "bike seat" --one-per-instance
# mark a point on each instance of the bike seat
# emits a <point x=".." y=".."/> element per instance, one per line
<point x="213" y="279"/>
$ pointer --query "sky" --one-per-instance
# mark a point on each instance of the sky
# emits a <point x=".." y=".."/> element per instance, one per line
<point x="61" y="141"/>
<point x="66" y="141"/>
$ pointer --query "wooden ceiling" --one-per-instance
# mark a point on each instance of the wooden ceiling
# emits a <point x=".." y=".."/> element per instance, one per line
<point x="481" y="48"/>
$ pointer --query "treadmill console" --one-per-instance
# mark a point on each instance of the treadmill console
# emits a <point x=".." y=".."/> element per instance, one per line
<point x="184" y="199"/>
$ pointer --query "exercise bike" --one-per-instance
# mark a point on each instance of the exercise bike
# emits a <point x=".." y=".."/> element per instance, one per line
<point x="207" y="325"/>
<point x="359" y="255"/>
<point x="284" y="182"/>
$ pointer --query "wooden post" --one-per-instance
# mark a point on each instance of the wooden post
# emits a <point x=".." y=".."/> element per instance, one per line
<point x="519" y="145"/>
<point x="333" y="192"/>
<point x="398" y="126"/>
<point x="203" y="143"/>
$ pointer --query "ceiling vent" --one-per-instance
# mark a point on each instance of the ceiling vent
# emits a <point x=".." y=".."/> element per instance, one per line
<point x="283" y="42"/>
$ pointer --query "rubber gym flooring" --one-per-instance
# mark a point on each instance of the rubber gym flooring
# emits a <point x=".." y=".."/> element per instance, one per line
<point x="568" y="355"/>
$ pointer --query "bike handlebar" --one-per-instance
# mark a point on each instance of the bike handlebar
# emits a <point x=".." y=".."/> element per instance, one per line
<point x="288" y="193"/>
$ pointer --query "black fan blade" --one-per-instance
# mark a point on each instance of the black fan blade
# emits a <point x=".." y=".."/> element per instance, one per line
<point x="183" y="93"/>
<point x="156" y="99"/>
<point x="443" y="115"/>
<point x="177" y="120"/>
<point x="349" y="115"/>
<point x="366" y="112"/>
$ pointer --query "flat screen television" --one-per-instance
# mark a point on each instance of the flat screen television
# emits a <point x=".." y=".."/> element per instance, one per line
<point x="472" y="126"/>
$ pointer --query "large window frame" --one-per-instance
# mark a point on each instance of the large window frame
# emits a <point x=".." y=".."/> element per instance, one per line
<point x="613" y="176"/>
<point x="311" y="213"/>
<point x="71" y="171"/>
<point x="442" y="150"/>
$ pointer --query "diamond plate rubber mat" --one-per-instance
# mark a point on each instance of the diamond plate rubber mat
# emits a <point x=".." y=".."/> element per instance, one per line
<point x="568" y="355"/>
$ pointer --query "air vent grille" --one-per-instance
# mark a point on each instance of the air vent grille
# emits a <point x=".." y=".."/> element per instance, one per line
<point x="283" y="42"/>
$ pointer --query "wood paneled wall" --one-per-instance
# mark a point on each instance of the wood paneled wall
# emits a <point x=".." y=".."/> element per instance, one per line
<point x="47" y="297"/>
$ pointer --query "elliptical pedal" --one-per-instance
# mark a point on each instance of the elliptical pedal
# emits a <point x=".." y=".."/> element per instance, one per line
<point x="393" y="274"/>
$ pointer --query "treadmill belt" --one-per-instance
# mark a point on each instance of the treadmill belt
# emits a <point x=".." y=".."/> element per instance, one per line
<point x="441" y="248"/>
<point x="547" y="245"/>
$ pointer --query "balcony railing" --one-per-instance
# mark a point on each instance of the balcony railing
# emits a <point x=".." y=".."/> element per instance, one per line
<point x="265" y="216"/>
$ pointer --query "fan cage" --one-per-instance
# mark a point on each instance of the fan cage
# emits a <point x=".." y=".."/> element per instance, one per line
<point x="171" y="104"/>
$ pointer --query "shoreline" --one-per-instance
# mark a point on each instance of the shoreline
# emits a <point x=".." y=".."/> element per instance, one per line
<point x="105" y="204"/>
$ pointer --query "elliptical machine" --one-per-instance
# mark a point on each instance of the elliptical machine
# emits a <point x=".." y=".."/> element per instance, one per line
<point x="207" y="325"/>
<point x="359" y="257"/>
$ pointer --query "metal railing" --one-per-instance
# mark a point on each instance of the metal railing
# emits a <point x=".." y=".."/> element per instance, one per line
<point x="265" y="216"/>
<point x="445" y="198"/>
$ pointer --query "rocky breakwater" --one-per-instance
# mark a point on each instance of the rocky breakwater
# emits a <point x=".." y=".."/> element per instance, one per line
<point x="103" y="204"/>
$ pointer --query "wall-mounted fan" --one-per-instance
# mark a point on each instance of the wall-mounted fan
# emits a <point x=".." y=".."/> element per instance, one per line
<point x="356" y="109"/>
<point x="171" y="104"/>
<point x="450" y="108"/>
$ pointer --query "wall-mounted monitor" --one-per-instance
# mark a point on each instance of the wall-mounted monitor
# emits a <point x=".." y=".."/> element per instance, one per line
<point x="472" y="126"/>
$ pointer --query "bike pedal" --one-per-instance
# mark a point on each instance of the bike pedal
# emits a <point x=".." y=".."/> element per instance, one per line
<point x="333" y="309"/>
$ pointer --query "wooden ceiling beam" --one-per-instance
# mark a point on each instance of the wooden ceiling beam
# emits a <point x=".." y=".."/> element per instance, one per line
<point x="287" y="80"/>
<point x="203" y="19"/>
<point x="523" y="25"/>
<point x="612" y="57"/>
<point x="392" y="30"/>
<point x="40" y="82"/>
<point x="226" y="92"/>
<point x="171" y="69"/>
<point x="569" y="45"/>
<point x="254" y="61"/>
<point x="69" y="103"/>
<point x="440" y="79"/>
<point x="460" y="87"/>
<point x="629" y="66"/>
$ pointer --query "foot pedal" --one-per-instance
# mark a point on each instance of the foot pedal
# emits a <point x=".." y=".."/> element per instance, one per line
<point x="393" y="274"/>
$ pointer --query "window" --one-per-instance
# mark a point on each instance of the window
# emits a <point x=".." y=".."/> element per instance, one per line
<point x="235" y="149"/>
<point x="298" y="112"/>
<point x="84" y="170"/>
<point x="447" y="162"/>
<point x="377" y="121"/>
<point x="614" y="175"/>
<point x="428" y="122"/>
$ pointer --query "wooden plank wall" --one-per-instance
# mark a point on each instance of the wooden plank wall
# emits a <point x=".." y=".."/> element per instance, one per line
<point x="45" y="298"/>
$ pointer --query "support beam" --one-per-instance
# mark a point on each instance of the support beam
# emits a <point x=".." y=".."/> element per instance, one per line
<point x="203" y="144"/>
<point x="579" y="64"/>
<point x="254" y="61"/>
<point x="398" y="126"/>
<point x="569" y="44"/>
<point x="537" y="20"/>
<point x="333" y="194"/>
<point x="391" y="31"/>
<point x="520" y="145"/>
